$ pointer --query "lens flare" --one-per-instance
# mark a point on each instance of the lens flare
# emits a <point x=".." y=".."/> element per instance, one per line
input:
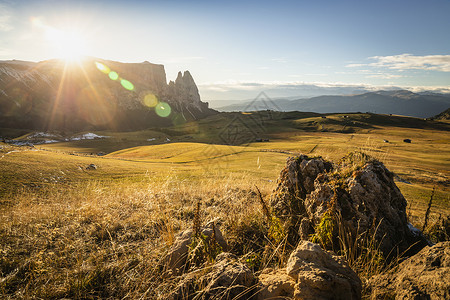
<point x="102" y="68"/>
<point x="113" y="75"/>
<point x="150" y="100"/>
<point x="163" y="109"/>
<point x="126" y="84"/>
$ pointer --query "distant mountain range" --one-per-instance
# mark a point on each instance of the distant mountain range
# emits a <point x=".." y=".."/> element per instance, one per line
<point x="95" y="94"/>
<point x="400" y="102"/>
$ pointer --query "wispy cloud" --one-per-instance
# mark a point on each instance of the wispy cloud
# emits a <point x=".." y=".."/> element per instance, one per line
<point x="406" y="61"/>
<point x="384" y="76"/>
<point x="299" y="87"/>
<point x="355" y="65"/>
<point x="249" y="85"/>
<point x="187" y="59"/>
<point x="5" y="18"/>
<point x="281" y="60"/>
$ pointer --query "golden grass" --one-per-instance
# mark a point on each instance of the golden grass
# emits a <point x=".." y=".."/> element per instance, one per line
<point x="105" y="239"/>
<point x="66" y="231"/>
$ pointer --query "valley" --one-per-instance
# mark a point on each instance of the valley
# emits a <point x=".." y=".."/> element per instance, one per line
<point x="262" y="142"/>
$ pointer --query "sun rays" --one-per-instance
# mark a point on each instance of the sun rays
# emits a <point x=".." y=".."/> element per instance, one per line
<point x="80" y="94"/>
<point x="67" y="42"/>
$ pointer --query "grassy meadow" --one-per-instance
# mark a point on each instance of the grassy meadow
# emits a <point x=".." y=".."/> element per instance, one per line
<point x="68" y="231"/>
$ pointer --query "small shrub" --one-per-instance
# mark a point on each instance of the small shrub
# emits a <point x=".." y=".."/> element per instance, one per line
<point x="324" y="231"/>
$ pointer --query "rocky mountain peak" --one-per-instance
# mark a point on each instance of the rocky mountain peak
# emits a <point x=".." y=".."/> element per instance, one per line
<point x="97" y="93"/>
<point x="184" y="90"/>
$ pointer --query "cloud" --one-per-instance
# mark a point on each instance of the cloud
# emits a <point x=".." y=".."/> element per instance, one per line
<point x="407" y="61"/>
<point x="231" y="85"/>
<point x="179" y="60"/>
<point x="281" y="60"/>
<point x="355" y="65"/>
<point x="384" y="76"/>
<point x="233" y="90"/>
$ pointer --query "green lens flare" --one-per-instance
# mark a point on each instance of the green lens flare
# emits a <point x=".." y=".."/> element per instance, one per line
<point x="126" y="84"/>
<point x="150" y="100"/>
<point x="163" y="109"/>
<point x="102" y="67"/>
<point x="113" y="75"/>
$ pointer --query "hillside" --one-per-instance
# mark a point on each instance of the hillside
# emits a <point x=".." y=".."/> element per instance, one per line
<point x="398" y="102"/>
<point x="95" y="94"/>
<point x="445" y="115"/>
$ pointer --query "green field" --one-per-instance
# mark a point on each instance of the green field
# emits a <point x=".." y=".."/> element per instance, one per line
<point x="55" y="210"/>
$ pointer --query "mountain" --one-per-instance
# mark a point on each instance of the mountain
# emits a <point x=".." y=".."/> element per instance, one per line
<point x="95" y="94"/>
<point x="399" y="102"/>
<point x="445" y="115"/>
<point x="225" y="91"/>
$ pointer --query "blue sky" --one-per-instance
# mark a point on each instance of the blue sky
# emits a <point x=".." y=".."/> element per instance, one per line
<point x="247" y="45"/>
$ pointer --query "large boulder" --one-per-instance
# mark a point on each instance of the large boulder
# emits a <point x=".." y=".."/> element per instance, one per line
<point x="295" y="182"/>
<point x="311" y="273"/>
<point x="422" y="276"/>
<point x="320" y="275"/>
<point x="358" y="193"/>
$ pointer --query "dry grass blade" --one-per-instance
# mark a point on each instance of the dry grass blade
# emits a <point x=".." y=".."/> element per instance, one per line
<point x="264" y="206"/>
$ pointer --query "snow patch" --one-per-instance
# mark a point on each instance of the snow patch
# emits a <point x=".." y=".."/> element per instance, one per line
<point x="50" y="141"/>
<point x="88" y="136"/>
<point x="152" y="139"/>
<point x="42" y="135"/>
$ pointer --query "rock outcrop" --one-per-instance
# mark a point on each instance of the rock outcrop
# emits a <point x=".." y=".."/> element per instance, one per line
<point x="311" y="273"/>
<point x="295" y="182"/>
<point x="422" y="276"/>
<point x="184" y="91"/>
<point x="358" y="195"/>
<point x="95" y="94"/>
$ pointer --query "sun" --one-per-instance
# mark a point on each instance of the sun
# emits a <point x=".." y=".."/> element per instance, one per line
<point x="64" y="43"/>
<point x="68" y="44"/>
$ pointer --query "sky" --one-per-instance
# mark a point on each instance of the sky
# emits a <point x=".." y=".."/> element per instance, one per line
<point x="238" y="48"/>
